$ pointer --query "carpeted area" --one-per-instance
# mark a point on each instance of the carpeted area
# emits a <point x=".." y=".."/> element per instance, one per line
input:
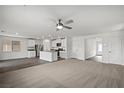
<point x="70" y="73"/>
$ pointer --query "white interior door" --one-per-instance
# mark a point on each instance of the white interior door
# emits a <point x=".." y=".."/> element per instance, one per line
<point x="112" y="50"/>
<point x="115" y="51"/>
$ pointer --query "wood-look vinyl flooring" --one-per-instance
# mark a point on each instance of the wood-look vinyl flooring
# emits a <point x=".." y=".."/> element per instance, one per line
<point x="69" y="73"/>
<point x="14" y="64"/>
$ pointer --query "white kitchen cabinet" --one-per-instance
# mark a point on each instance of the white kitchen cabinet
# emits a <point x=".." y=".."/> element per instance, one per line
<point x="48" y="56"/>
<point x="31" y="54"/>
<point x="31" y="43"/>
<point x="63" y="54"/>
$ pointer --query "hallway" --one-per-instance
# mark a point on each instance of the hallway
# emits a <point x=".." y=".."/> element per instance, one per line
<point x="96" y="59"/>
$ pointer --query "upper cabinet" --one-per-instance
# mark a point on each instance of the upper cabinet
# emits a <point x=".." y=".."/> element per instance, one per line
<point x="60" y="43"/>
<point x="31" y="43"/>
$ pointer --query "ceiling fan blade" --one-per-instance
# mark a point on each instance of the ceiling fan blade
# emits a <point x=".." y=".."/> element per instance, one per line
<point x="67" y="27"/>
<point x="69" y="21"/>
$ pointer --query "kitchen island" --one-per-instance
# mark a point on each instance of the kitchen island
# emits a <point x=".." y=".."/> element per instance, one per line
<point x="48" y="56"/>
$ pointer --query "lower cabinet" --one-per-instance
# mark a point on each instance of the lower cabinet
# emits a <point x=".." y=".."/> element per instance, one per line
<point x="63" y="54"/>
<point x="31" y="54"/>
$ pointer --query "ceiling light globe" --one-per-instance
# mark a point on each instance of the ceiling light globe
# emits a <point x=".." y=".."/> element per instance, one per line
<point x="59" y="27"/>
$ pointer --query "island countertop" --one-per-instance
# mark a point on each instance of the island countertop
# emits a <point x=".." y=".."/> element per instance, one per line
<point x="48" y="55"/>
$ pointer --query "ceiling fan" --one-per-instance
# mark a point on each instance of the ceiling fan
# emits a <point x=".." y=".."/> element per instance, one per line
<point x="60" y="24"/>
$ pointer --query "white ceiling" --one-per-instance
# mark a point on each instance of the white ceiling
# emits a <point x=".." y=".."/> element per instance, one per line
<point x="36" y="21"/>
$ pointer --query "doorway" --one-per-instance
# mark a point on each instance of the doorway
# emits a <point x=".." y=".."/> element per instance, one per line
<point x="94" y="49"/>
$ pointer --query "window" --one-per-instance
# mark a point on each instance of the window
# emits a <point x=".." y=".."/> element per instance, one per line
<point x="11" y="46"/>
<point x="7" y="46"/>
<point x="15" y="46"/>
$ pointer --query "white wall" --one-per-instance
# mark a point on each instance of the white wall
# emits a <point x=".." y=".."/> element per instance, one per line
<point x="122" y="36"/>
<point x="14" y="55"/>
<point x="78" y="48"/>
<point x="112" y="48"/>
<point x="68" y="45"/>
<point x="113" y="41"/>
<point x="90" y="48"/>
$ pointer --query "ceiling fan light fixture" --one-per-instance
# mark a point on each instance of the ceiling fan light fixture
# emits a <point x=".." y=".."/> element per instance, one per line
<point x="59" y="27"/>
